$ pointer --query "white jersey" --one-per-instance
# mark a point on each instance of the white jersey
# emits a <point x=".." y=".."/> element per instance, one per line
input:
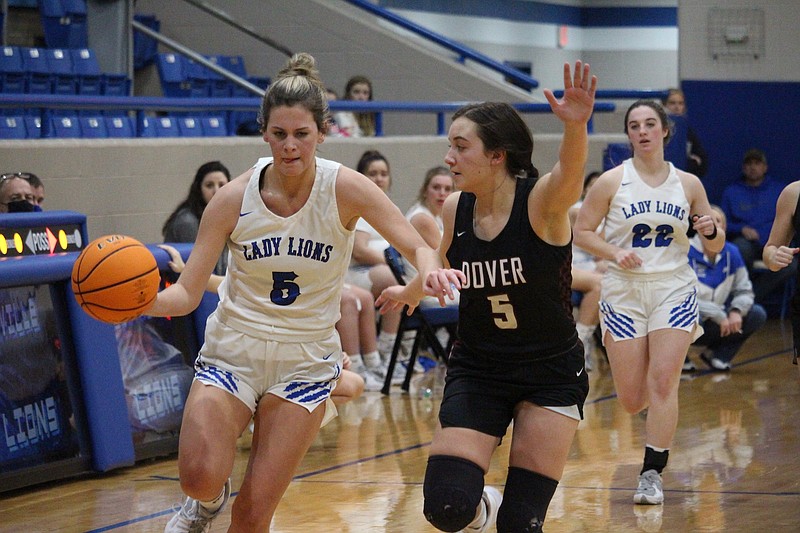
<point x="420" y="208"/>
<point x="414" y="210"/>
<point x="651" y="221"/>
<point x="285" y="276"/>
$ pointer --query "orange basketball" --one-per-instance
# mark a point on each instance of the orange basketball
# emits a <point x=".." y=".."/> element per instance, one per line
<point x="115" y="278"/>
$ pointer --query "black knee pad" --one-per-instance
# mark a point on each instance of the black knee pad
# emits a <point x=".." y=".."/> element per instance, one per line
<point x="452" y="490"/>
<point x="525" y="500"/>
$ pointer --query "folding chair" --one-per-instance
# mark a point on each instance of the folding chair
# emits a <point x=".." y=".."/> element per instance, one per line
<point x="424" y="320"/>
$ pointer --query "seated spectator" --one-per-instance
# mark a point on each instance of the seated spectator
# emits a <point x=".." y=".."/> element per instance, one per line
<point x="358" y="336"/>
<point x="333" y="127"/>
<point x="368" y="268"/>
<point x="725" y="298"/>
<point x="359" y="89"/>
<point x="696" y="158"/>
<point x="426" y="213"/>
<point x="16" y="194"/>
<point x="749" y="205"/>
<point x="587" y="275"/>
<point x="182" y="225"/>
<point x="38" y="188"/>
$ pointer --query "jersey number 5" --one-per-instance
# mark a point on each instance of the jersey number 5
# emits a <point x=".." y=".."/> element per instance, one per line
<point x="284" y="290"/>
<point x="503" y="312"/>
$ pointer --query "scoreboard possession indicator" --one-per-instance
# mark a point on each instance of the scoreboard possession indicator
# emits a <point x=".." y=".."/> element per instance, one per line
<point x="40" y="240"/>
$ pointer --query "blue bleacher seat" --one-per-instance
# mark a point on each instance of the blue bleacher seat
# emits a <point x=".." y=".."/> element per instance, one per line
<point x="218" y="85"/>
<point x="189" y="126"/>
<point x="93" y="127"/>
<point x="198" y="77"/>
<point x="12" y="72"/>
<point x="116" y="84"/>
<point x="65" y="127"/>
<point x="145" y="48"/>
<point x="146" y="127"/>
<point x="614" y="154"/>
<point x="119" y="127"/>
<point x="64" y="80"/>
<point x="221" y="86"/>
<point x="214" y="126"/>
<point x="172" y="73"/>
<point x="33" y="125"/>
<point x="262" y="82"/>
<point x="64" y="23"/>
<point x="37" y="72"/>
<point x="13" y="127"/>
<point x="87" y="71"/>
<point x="233" y="63"/>
<point x="166" y="127"/>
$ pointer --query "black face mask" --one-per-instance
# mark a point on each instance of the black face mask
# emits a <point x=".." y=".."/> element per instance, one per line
<point x="22" y="206"/>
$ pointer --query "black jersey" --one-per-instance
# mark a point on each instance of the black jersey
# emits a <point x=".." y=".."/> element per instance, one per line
<point x="516" y="303"/>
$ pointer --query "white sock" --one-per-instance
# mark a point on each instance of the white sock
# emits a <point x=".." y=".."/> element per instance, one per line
<point x="372" y="359"/>
<point x="214" y="505"/>
<point x="385" y="344"/>
<point x="357" y="363"/>
<point x="586" y="335"/>
<point x="387" y="337"/>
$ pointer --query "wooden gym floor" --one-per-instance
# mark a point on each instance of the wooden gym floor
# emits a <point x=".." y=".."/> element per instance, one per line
<point x="734" y="465"/>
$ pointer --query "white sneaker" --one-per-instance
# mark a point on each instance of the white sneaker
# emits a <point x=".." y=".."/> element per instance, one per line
<point x="649" y="491"/>
<point x="371" y="382"/>
<point x="193" y="517"/>
<point x="491" y="499"/>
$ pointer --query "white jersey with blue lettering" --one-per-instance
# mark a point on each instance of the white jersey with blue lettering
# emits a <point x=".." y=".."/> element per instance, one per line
<point x="285" y="276"/>
<point x="651" y="221"/>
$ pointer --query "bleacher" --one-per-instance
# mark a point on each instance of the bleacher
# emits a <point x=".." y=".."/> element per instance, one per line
<point x="182" y="77"/>
<point x="58" y="71"/>
<point x="67" y="67"/>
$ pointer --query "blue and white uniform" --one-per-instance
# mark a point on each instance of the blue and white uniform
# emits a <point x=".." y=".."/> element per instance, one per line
<point x="661" y="293"/>
<point x="274" y="328"/>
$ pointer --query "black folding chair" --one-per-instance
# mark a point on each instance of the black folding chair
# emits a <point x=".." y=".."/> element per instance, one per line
<point x="424" y="321"/>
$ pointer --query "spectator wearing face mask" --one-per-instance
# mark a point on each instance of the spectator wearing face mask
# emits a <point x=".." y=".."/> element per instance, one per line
<point x="17" y="194"/>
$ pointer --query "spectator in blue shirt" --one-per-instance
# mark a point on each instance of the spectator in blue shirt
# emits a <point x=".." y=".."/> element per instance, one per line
<point x="749" y="205"/>
<point x="725" y="300"/>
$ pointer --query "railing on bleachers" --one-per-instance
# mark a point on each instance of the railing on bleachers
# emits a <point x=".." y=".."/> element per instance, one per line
<point x="51" y="108"/>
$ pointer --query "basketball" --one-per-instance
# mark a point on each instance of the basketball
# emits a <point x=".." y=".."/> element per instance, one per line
<point x="115" y="278"/>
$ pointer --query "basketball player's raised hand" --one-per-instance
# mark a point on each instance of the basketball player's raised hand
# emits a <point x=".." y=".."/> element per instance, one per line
<point x="580" y="86"/>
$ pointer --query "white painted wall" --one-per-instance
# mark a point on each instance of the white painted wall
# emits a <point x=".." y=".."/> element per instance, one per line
<point x="780" y="62"/>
